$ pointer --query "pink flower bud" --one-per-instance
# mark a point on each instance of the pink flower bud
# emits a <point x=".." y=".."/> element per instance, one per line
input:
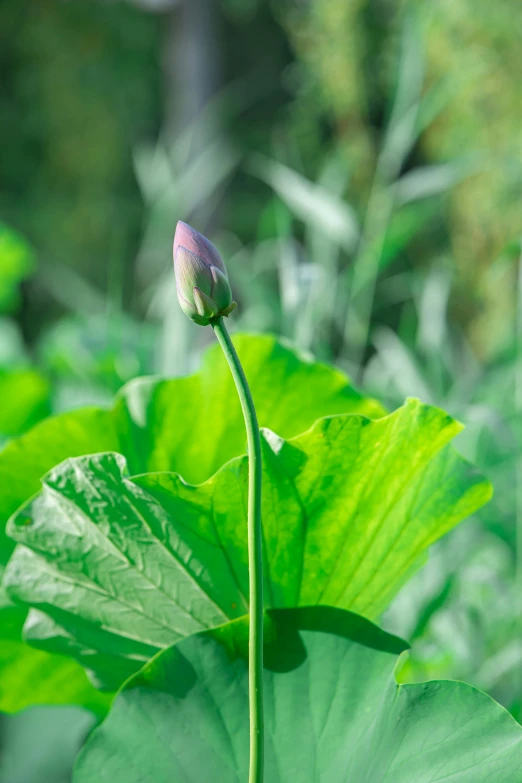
<point x="201" y="277"/>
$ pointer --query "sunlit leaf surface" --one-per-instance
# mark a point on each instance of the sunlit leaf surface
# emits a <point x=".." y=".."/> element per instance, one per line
<point x="190" y="425"/>
<point x="118" y="568"/>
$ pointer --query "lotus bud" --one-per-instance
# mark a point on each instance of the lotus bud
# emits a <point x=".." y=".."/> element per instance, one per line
<point x="201" y="277"/>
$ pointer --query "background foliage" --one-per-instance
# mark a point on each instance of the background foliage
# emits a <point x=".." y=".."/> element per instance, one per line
<point x="358" y="164"/>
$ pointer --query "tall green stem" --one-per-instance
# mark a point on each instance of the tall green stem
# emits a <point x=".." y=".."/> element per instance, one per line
<point x="255" y="555"/>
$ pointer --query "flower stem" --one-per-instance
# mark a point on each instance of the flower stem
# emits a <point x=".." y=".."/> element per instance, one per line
<point x="255" y="554"/>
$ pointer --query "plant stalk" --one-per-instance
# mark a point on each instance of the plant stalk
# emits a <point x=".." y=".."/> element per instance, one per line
<point x="255" y="554"/>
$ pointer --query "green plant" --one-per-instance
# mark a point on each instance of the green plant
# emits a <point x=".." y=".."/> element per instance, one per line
<point x="158" y="425"/>
<point x="205" y="296"/>
<point x="120" y="560"/>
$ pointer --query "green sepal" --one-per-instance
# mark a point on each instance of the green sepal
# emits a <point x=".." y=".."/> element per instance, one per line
<point x="229" y="309"/>
<point x="206" y="306"/>
<point x="221" y="292"/>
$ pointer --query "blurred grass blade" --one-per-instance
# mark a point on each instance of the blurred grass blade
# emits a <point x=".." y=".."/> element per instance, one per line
<point x="310" y="202"/>
<point x="426" y="181"/>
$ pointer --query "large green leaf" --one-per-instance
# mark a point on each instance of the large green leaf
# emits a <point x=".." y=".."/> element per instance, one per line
<point x="190" y="425"/>
<point x="119" y="568"/>
<point x="334" y="714"/>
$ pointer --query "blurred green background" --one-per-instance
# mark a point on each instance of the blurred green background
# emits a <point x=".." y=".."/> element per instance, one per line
<point x="359" y="165"/>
